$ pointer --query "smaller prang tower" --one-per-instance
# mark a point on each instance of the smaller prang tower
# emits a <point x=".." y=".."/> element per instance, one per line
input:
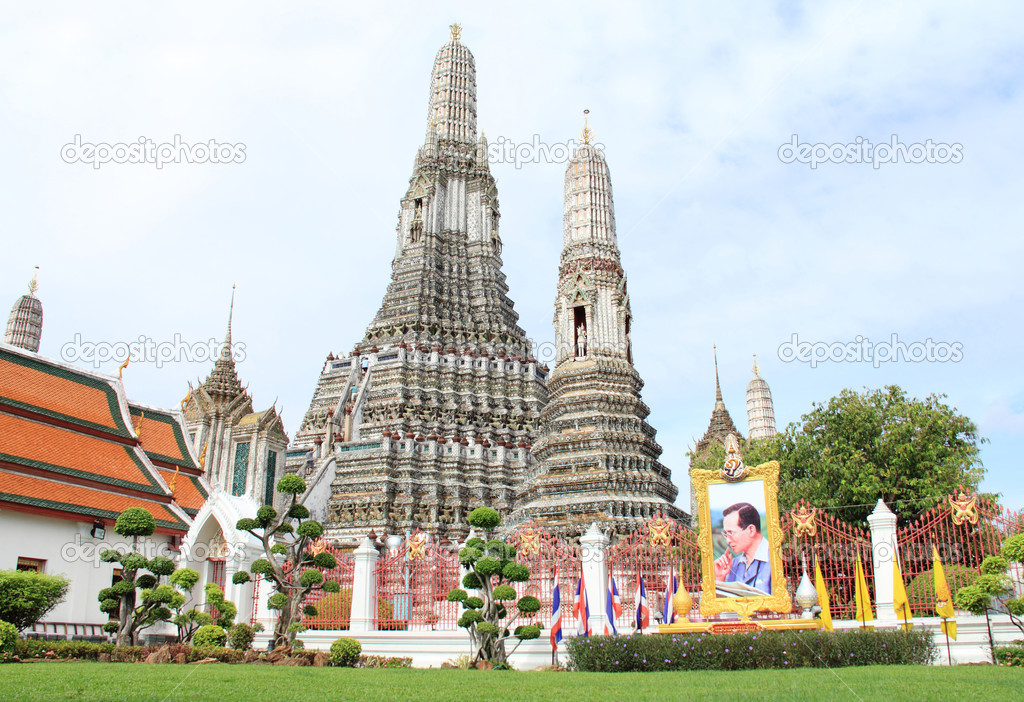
<point x="760" y="410"/>
<point x="25" y="325"/>
<point x="598" y="454"/>
<point x="719" y="427"/>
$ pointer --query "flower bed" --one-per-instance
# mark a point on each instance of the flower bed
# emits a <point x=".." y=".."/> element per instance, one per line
<point x="784" y="649"/>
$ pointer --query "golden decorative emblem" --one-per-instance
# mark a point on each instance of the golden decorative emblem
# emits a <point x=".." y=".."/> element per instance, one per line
<point x="803" y="520"/>
<point x="529" y="541"/>
<point x="456" y="30"/>
<point x="142" y="417"/>
<point x="661" y="531"/>
<point x="202" y="455"/>
<point x="963" y="506"/>
<point x="733" y="468"/>
<point x="318" y="547"/>
<point x="418" y="547"/>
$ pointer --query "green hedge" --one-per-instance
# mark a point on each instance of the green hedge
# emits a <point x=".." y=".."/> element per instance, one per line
<point x="783" y="649"/>
<point x="1010" y="655"/>
<point x="33" y="649"/>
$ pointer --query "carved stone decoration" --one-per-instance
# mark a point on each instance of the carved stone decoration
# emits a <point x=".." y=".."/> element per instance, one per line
<point x="964" y="508"/>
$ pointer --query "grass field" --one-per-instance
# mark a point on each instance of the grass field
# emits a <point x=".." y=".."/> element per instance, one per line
<point x="232" y="683"/>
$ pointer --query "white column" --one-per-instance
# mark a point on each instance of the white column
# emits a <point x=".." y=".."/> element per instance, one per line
<point x="593" y="545"/>
<point x="882" y="523"/>
<point x="363" y="586"/>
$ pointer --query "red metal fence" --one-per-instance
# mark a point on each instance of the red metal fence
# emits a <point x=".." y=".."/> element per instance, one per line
<point x="548" y="557"/>
<point x="660" y="548"/>
<point x="334" y="610"/>
<point x="963" y="529"/>
<point x="813" y="534"/>
<point x="412" y="584"/>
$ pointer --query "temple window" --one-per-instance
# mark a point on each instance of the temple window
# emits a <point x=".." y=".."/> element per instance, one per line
<point x="241" y="468"/>
<point x="268" y="490"/>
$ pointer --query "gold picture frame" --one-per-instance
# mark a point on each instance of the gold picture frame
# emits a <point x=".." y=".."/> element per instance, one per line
<point x="704" y="482"/>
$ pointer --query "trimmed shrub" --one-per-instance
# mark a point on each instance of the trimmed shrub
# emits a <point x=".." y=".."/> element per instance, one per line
<point x="768" y="649"/>
<point x="1012" y="655"/>
<point x="345" y="652"/>
<point x="209" y="635"/>
<point x="8" y="637"/>
<point x="385" y="662"/>
<point x="27" y="596"/>
<point x="240" y="636"/>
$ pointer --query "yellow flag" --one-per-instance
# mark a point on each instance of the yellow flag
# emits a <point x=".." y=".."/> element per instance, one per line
<point x="943" y="596"/>
<point x="819" y="584"/>
<point x="900" y="601"/>
<point x="862" y="596"/>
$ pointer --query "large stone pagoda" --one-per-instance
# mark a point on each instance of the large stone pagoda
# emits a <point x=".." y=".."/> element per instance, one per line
<point x="435" y="410"/>
<point x="598" y="455"/>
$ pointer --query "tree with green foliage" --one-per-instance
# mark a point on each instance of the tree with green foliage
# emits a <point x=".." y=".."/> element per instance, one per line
<point x="139" y="599"/>
<point x="26" y="596"/>
<point x="289" y="564"/>
<point x="491" y="615"/>
<point x="993" y="590"/>
<point x="201" y="615"/>
<point x="862" y="447"/>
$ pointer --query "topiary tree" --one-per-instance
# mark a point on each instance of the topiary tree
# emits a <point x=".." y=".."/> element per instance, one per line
<point x="289" y="563"/>
<point x="27" y="596"/>
<point x="491" y="615"/>
<point x="240" y="636"/>
<point x="201" y="615"/>
<point x="993" y="590"/>
<point x="139" y="599"/>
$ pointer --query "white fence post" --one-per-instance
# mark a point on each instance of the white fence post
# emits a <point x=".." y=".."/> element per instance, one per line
<point x="882" y="523"/>
<point x="593" y="547"/>
<point x="364" y="586"/>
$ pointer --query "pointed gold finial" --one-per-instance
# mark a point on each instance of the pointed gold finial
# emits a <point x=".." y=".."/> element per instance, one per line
<point x="587" y="135"/>
<point x="456" y="30"/>
<point x="188" y="396"/>
<point x="755" y="364"/>
<point x="120" y="370"/>
<point x="34" y="283"/>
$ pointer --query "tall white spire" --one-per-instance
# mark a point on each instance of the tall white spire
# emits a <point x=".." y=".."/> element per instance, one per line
<point x="452" y="110"/>
<point x="760" y="409"/>
<point x="25" y="325"/>
<point x="589" y="214"/>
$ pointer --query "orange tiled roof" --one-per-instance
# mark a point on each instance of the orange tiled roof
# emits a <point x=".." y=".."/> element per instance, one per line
<point x="37" y="445"/>
<point x="34" y="491"/>
<point x="161" y="437"/>
<point x="61" y="393"/>
<point x="188" y="491"/>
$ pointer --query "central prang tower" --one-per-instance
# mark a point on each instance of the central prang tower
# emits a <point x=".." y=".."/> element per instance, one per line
<point x="598" y="455"/>
<point x="435" y="410"/>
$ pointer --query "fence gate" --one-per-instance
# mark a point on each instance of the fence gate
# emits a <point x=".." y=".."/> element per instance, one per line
<point x="657" y="550"/>
<point x="964" y="529"/>
<point x="334" y="610"/>
<point x="809" y="533"/>
<point x="413" y="582"/>
<point x="548" y="557"/>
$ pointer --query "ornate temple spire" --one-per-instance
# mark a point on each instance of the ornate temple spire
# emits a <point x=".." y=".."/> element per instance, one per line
<point x="223" y="382"/>
<point x="760" y="409"/>
<point x="721" y="424"/>
<point x="452" y="109"/>
<point x="589" y="213"/>
<point x="25" y="325"/>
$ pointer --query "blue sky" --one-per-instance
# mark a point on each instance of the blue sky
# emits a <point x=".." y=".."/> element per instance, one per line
<point x="723" y="242"/>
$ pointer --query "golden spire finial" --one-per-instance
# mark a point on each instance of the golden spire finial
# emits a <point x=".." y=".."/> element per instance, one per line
<point x="587" y="134"/>
<point x="34" y="283"/>
<point x="755" y="364"/>
<point x="456" y="30"/>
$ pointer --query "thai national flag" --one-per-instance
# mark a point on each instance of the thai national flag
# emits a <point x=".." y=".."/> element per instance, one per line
<point x="668" y="614"/>
<point x="643" y="613"/>
<point x="581" y="610"/>
<point x="556" y="617"/>
<point x="613" y="606"/>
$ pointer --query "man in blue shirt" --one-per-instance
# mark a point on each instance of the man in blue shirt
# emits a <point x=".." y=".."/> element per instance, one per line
<point x="741" y="526"/>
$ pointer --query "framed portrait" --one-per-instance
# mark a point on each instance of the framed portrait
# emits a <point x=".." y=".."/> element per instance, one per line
<point x="740" y="539"/>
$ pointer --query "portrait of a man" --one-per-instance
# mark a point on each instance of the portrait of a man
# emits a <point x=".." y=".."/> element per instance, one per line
<point x="746" y="560"/>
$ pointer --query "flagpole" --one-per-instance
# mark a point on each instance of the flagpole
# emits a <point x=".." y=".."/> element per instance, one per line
<point x="949" y="656"/>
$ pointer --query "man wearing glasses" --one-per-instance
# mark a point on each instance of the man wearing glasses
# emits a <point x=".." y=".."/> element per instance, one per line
<point x="741" y="526"/>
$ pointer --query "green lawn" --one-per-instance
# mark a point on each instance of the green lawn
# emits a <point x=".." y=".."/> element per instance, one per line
<point x="232" y="683"/>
